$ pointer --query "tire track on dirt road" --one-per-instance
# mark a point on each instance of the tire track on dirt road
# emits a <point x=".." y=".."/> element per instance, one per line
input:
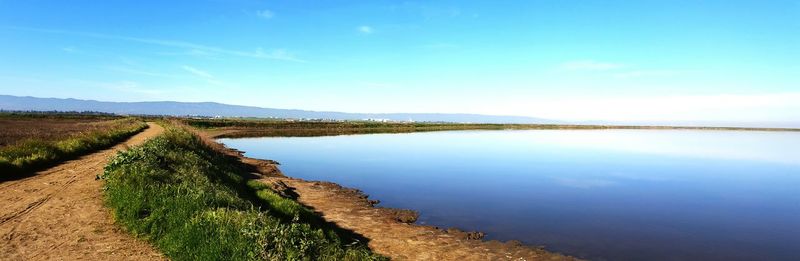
<point x="59" y="214"/>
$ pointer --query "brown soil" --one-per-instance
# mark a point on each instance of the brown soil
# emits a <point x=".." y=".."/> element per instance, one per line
<point x="59" y="214"/>
<point x="390" y="236"/>
<point x="389" y="230"/>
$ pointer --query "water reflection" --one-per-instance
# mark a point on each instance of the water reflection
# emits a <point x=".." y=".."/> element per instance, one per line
<point x="602" y="194"/>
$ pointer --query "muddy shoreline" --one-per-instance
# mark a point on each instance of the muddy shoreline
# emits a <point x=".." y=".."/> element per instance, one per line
<point x="392" y="232"/>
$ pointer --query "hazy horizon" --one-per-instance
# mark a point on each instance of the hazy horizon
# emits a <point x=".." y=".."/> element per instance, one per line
<point x="587" y="61"/>
<point x="498" y="119"/>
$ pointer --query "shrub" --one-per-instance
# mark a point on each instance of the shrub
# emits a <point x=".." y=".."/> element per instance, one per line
<point x="192" y="203"/>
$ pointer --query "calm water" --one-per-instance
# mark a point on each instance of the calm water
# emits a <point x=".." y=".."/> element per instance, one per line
<point x="599" y="194"/>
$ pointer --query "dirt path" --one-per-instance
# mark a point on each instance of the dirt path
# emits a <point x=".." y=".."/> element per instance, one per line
<point x="399" y="241"/>
<point x="58" y="214"/>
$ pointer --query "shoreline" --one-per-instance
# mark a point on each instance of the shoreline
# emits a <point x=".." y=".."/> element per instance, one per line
<point x="234" y="132"/>
<point x="352" y="203"/>
<point x="240" y="128"/>
<point x="391" y="231"/>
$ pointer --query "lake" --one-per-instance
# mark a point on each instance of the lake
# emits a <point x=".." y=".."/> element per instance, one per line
<point x="596" y="194"/>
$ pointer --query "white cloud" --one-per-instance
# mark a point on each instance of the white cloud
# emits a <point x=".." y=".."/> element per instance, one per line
<point x="69" y="49"/>
<point x="197" y="72"/>
<point x="644" y="73"/>
<point x="365" y="29"/>
<point x="266" y="14"/>
<point x="589" y="65"/>
<point x="277" y="54"/>
<point x="191" y="52"/>
<point x="204" y="75"/>
<point x="140" y="72"/>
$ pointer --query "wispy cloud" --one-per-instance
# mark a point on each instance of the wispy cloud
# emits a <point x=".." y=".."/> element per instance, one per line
<point x="644" y="73"/>
<point x="278" y="54"/>
<point x="615" y="70"/>
<point x="266" y="14"/>
<point x="197" y="72"/>
<point x="192" y="52"/>
<point x="364" y="29"/>
<point x="140" y="72"/>
<point x="589" y="65"/>
<point x="69" y="49"/>
<point x="203" y="75"/>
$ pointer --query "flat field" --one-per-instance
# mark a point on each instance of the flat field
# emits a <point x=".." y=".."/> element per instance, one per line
<point x="31" y="141"/>
<point x="15" y="128"/>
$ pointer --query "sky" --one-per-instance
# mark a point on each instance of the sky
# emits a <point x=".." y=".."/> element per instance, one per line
<point x="621" y="61"/>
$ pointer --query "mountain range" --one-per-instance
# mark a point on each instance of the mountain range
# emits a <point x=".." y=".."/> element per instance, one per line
<point x="213" y="109"/>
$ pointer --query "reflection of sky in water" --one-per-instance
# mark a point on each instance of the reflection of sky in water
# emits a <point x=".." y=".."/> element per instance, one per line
<point x="701" y="144"/>
<point x="616" y="194"/>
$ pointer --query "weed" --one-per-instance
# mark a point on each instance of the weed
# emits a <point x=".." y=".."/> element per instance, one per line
<point x="193" y="204"/>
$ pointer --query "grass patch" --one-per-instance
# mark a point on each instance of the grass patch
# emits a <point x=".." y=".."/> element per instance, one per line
<point x="32" y="154"/>
<point x="193" y="203"/>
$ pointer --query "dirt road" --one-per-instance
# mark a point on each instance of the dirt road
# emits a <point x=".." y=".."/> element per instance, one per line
<point x="58" y="214"/>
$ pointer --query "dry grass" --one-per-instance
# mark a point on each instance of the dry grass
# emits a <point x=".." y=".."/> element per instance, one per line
<point x="15" y="130"/>
<point x="32" y="142"/>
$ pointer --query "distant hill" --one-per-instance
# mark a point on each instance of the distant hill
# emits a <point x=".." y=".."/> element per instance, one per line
<point x="212" y="109"/>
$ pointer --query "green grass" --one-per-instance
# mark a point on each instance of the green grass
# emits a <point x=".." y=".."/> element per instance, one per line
<point x="33" y="154"/>
<point x="193" y="203"/>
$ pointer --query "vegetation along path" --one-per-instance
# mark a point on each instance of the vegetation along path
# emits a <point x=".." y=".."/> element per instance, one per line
<point x="58" y="214"/>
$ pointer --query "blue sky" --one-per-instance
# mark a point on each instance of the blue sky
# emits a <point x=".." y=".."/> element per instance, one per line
<point x="572" y="60"/>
